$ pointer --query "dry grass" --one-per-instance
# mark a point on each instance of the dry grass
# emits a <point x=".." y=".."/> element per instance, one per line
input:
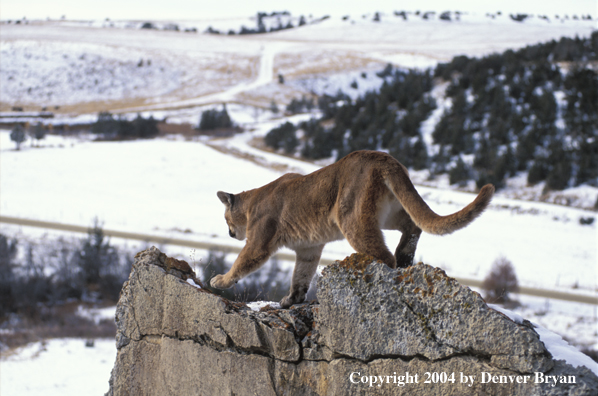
<point x="299" y="65"/>
<point x="187" y="130"/>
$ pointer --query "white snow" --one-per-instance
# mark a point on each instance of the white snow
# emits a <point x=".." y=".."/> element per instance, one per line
<point x="58" y="367"/>
<point x="65" y="73"/>
<point x="257" y="305"/>
<point x="53" y="63"/>
<point x="192" y="283"/>
<point x="512" y="315"/>
<point x="172" y="185"/>
<point x="559" y="348"/>
<point x="96" y="314"/>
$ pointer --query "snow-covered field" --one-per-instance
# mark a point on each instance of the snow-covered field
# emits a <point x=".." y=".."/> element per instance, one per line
<point x="58" y="367"/>
<point x="167" y="186"/>
<point x="170" y="184"/>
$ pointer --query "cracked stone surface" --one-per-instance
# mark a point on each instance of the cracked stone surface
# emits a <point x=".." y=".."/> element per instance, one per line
<point x="420" y="311"/>
<point x="176" y="339"/>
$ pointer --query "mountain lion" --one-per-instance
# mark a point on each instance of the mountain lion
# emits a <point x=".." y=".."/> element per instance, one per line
<point x="354" y="198"/>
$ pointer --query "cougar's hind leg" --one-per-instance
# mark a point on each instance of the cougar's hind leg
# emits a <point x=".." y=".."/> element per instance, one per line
<point x="305" y="268"/>
<point x="406" y="249"/>
<point x="367" y="238"/>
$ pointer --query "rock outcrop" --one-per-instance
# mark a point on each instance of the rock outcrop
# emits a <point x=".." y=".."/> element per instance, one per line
<point x="375" y="330"/>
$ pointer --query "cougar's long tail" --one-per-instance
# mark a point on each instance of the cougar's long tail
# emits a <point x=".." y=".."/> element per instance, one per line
<point x="424" y="217"/>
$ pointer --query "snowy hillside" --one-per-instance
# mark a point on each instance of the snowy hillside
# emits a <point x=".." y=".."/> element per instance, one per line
<point x="89" y="67"/>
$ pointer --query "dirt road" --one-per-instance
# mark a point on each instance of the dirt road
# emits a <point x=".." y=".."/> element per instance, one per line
<point x="530" y="291"/>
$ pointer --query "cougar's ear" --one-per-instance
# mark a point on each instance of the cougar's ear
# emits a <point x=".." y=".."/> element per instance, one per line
<point x="226" y="198"/>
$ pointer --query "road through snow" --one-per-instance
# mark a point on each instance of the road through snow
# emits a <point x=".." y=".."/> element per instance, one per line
<point x="265" y="76"/>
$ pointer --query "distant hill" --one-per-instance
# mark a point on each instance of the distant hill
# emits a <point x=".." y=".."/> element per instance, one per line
<point x="533" y="110"/>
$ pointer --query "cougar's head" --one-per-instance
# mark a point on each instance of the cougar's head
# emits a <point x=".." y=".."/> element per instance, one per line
<point x="235" y="219"/>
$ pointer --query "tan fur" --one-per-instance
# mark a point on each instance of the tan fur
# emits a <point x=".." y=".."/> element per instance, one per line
<point x="354" y="198"/>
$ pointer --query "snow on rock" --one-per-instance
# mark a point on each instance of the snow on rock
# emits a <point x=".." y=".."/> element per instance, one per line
<point x="192" y="283"/>
<point x="257" y="305"/>
<point x="559" y="348"/>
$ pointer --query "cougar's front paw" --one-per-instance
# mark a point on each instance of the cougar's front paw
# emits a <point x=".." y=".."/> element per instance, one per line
<point x="290" y="300"/>
<point x="220" y="282"/>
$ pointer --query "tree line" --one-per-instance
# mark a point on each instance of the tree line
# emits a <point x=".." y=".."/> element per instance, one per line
<point x="532" y="110"/>
<point x="39" y="278"/>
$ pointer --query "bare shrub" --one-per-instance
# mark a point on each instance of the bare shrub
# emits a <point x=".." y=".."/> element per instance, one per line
<point x="500" y="282"/>
<point x="51" y="274"/>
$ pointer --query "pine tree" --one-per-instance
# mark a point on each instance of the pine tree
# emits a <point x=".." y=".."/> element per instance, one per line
<point x="274" y="107"/>
<point x="8" y="252"/>
<point x="145" y="128"/>
<point x="105" y="124"/>
<point x="560" y="171"/>
<point x="39" y="132"/>
<point x="460" y="172"/>
<point x="214" y="119"/>
<point x="283" y="137"/>
<point x="587" y="163"/>
<point x="420" y="154"/>
<point x="537" y="172"/>
<point x="18" y="135"/>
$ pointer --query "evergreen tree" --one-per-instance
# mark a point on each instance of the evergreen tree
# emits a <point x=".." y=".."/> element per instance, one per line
<point x="96" y="259"/>
<point x="486" y="156"/>
<point x="8" y="253"/>
<point x="587" y="163"/>
<point x="283" y="137"/>
<point x="274" y="107"/>
<point x="460" y="173"/>
<point x="105" y="124"/>
<point x="560" y="167"/>
<point x="537" y="172"/>
<point x="18" y="135"/>
<point x="214" y="119"/>
<point x="501" y="103"/>
<point x="440" y="161"/>
<point x="400" y="148"/>
<point x="39" y="132"/>
<point x="320" y="145"/>
<point x="419" y="154"/>
<point x="145" y="127"/>
<point x="544" y="108"/>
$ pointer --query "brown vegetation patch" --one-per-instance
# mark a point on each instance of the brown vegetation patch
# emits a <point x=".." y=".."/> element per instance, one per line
<point x="176" y="129"/>
<point x="357" y="261"/>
